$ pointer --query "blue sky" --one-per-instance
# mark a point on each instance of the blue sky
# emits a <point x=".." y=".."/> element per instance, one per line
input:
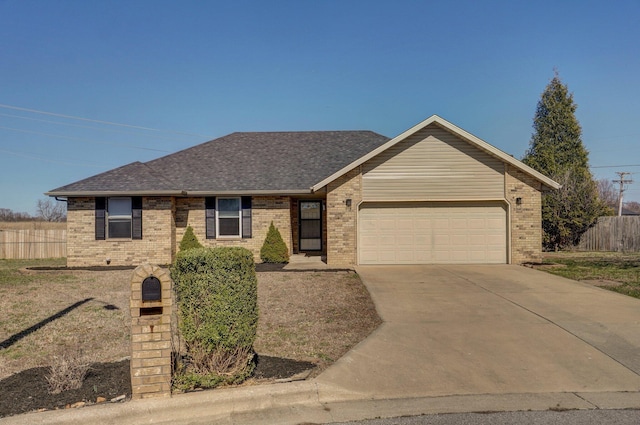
<point x="190" y="71"/>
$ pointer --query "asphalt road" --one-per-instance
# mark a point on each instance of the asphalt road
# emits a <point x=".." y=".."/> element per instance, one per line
<point x="570" y="417"/>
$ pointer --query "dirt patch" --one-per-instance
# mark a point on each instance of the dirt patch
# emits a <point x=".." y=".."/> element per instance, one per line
<point x="602" y="283"/>
<point x="307" y="321"/>
<point x="313" y="316"/>
<point x="545" y="266"/>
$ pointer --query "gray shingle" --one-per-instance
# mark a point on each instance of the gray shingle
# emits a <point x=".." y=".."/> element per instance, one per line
<point x="261" y="161"/>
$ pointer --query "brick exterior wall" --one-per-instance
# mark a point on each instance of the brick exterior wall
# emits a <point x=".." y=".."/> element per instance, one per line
<point x="264" y="210"/>
<point x="150" y="336"/>
<point x="154" y="247"/>
<point x="342" y="220"/>
<point x="526" y="218"/>
<point x="164" y="221"/>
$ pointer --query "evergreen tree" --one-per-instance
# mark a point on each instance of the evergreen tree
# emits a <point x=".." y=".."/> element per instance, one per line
<point x="189" y="240"/>
<point x="556" y="150"/>
<point x="274" y="250"/>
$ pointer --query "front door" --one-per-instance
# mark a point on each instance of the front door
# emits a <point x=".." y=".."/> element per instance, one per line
<point x="310" y="226"/>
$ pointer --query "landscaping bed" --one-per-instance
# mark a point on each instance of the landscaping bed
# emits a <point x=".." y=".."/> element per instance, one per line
<point x="307" y="321"/>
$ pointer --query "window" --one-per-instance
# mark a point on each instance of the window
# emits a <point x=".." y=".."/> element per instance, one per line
<point x="119" y="217"/>
<point x="229" y="217"/>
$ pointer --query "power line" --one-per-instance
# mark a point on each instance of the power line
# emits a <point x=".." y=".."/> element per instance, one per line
<point x="615" y="166"/>
<point x="81" y="139"/>
<point x="35" y="111"/>
<point x="85" y="126"/>
<point x="54" y="161"/>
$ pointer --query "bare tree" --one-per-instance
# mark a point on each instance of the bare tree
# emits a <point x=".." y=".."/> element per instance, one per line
<point x="608" y="193"/>
<point x="48" y="210"/>
<point x="633" y="206"/>
<point x="7" y="214"/>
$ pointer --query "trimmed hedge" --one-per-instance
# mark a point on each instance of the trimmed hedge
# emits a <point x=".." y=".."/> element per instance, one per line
<point x="274" y="250"/>
<point x="189" y="240"/>
<point x="217" y="300"/>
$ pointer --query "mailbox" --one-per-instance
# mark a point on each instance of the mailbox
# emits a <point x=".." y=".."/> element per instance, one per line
<point x="151" y="307"/>
<point x="151" y="289"/>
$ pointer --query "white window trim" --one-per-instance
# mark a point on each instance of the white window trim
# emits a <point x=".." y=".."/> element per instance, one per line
<point x="239" y="235"/>
<point x="110" y="217"/>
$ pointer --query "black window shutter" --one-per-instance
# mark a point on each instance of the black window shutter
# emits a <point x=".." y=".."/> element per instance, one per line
<point x="210" y="216"/>
<point x="246" y="216"/>
<point x="100" y="213"/>
<point x="136" y="217"/>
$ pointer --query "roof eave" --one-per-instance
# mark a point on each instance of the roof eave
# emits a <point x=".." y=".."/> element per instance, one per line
<point x="183" y="193"/>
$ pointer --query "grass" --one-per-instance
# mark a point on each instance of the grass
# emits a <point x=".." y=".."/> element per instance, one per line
<point x="306" y="316"/>
<point x="46" y="313"/>
<point x="607" y="267"/>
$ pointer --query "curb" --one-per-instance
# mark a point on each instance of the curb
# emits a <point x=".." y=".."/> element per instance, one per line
<point x="311" y="402"/>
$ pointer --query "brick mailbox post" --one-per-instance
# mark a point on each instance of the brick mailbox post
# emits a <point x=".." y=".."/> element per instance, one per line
<point x="151" y="313"/>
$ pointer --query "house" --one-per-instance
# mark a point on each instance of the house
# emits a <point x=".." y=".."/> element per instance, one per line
<point x="433" y="194"/>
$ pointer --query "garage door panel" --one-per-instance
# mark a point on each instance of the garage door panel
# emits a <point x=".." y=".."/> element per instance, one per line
<point x="424" y="233"/>
<point x="459" y="240"/>
<point x="478" y="240"/>
<point x="404" y="224"/>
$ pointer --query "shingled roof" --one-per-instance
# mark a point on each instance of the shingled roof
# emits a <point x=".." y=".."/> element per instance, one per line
<point x="259" y="162"/>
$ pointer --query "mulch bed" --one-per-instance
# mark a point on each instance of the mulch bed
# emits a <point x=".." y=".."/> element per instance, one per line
<point x="27" y="391"/>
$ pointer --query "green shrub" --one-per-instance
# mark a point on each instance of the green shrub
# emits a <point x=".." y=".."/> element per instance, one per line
<point x="274" y="250"/>
<point x="217" y="300"/>
<point x="189" y="240"/>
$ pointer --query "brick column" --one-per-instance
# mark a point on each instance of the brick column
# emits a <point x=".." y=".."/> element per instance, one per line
<point x="341" y="226"/>
<point x="150" y="335"/>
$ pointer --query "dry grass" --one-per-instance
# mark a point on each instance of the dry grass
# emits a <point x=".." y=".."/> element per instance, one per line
<point x="18" y="225"/>
<point x="67" y="371"/>
<point x="45" y="313"/>
<point x="313" y="316"/>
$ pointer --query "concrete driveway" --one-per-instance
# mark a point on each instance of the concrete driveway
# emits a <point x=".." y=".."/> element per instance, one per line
<point x="461" y="330"/>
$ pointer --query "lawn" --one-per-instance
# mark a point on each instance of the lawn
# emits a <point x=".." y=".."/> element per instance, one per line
<point x="304" y="316"/>
<point x="48" y="314"/>
<point x="616" y="271"/>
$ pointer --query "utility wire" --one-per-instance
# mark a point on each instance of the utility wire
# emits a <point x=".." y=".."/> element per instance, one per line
<point x="54" y="161"/>
<point x="615" y="166"/>
<point x="35" y="111"/>
<point x="82" y="140"/>
<point x="87" y="126"/>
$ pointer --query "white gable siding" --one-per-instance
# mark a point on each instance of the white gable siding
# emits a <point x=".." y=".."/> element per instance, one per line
<point x="433" y="164"/>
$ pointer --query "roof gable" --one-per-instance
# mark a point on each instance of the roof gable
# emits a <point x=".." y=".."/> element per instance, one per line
<point x="433" y="164"/>
<point x="464" y="135"/>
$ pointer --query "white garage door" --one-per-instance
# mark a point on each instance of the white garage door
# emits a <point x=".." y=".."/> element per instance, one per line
<point x="432" y="233"/>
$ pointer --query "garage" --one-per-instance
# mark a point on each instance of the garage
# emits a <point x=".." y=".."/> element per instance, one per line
<point x="432" y="233"/>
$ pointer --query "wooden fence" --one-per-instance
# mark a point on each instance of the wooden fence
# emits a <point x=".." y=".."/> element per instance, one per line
<point x="33" y="243"/>
<point x="612" y="234"/>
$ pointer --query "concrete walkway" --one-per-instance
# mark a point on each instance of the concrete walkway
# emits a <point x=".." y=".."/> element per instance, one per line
<point x="455" y="339"/>
<point x="303" y="262"/>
